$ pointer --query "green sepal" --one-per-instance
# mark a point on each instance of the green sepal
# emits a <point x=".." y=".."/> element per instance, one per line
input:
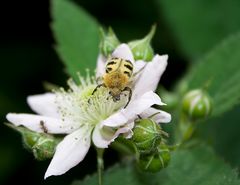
<point x="108" y="42"/>
<point x="42" y="145"/>
<point x="197" y="104"/>
<point x="141" y="48"/>
<point x="156" y="161"/>
<point x="146" y="135"/>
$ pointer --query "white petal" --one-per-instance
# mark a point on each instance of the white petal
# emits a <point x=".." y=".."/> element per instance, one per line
<point x="139" y="64"/>
<point x="123" y="51"/>
<point x="70" y="152"/>
<point x="100" y="65"/>
<point x="150" y="76"/>
<point x="44" y="104"/>
<point x="40" y="123"/>
<point x="115" y="120"/>
<point x="134" y="108"/>
<point x="102" y="140"/>
<point x="159" y="117"/>
<point x="139" y="105"/>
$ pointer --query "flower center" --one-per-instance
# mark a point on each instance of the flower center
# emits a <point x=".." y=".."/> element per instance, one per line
<point x="79" y="107"/>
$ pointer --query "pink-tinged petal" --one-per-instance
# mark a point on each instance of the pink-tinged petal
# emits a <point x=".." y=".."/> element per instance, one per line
<point x="44" y="104"/>
<point x="101" y="63"/>
<point x="69" y="152"/>
<point x="40" y="123"/>
<point x="123" y="51"/>
<point x="134" y="108"/>
<point x="150" y="76"/>
<point x="159" y="116"/>
<point x="104" y="136"/>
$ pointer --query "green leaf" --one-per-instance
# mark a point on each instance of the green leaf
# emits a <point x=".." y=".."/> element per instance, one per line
<point x="223" y="133"/>
<point x="220" y="70"/>
<point x="189" y="167"/>
<point x="77" y="36"/>
<point x="199" y="25"/>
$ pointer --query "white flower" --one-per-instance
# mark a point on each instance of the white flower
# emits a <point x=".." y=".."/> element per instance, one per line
<point x="85" y="117"/>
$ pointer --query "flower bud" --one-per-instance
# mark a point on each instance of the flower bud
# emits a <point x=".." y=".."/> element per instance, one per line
<point x="146" y="135"/>
<point x="41" y="144"/>
<point x="156" y="161"/>
<point x="197" y="104"/>
<point x="44" y="148"/>
<point x="142" y="49"/>
<point x="108" y="42"/>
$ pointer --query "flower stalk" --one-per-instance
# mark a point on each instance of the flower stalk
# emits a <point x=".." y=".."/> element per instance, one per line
<point x="100" y="165"/>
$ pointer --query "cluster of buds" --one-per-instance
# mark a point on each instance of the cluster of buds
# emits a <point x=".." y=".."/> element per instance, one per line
<point x="148" y="137"/>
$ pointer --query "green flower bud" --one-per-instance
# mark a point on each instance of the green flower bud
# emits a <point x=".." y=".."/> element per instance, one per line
<point x="108" y="42"/>
<point x="197" y="104"/>
<point x="146" y="135"/>
<point x="142" y="49"/>
<point x="156" y="161"/>
<point x="41" y="144"/>
<point x="45" y="147"/>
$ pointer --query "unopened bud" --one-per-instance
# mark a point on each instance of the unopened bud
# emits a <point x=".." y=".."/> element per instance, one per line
<point x="44" y="147"/>
<point x="197" y="104"/>
<point x="41" y="144"/>
<point x="146" y="135"/>
<point x="156" y="161"/>
<point x="108" y="42"/>
<point x="142" y="49"/>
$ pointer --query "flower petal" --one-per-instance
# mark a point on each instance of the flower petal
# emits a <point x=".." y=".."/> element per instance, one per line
<point x="44" y="104"/>
<point x="102" y="140"/>
<point x="101" y="62"/>
<point x="159" y="117"/>
<point x="123" y="51"/>
<point x="69" y="152"/>
<point x="40" y="123"/>
<point x="115" y="120"/>
<point x="139" y="65"/>
<point x="150" y="76"/>
<point x="134" y="108"/>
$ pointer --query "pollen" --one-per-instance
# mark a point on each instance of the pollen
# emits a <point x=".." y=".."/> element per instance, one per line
<point x="79" y="106"/>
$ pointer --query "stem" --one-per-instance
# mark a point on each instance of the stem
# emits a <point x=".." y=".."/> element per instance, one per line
<point x="100" y="165"/>
<point x="186" y="129"/>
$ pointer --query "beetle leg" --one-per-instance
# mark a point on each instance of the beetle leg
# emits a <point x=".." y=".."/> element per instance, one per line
<point x="129" y="96"/>
<point x="98" y="86"/>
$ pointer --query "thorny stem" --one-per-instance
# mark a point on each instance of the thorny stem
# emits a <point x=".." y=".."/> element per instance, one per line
<point x="100" y="165"/>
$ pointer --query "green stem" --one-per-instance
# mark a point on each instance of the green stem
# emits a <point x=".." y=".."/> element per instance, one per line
<point x="186" y="128"/>
<point x="100" y="165"/>
<point x="123" y="148"/>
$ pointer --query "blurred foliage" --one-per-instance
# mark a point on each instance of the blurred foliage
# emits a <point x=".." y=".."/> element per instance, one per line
<point x="219" y="73"/>
<point x="77" y="36"/>
<point x="200" y="25"/>
<point x="185" y="30"/>
<point x="198" y="166"/>
<point x="222" y="133"/>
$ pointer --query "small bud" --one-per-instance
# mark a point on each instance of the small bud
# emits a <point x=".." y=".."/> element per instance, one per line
<point x="156" y="161"/>
<point x="146" y="135"/>
<point x="142" y="49"/>
<point x="108" y="42"/>
<point x="44" y="147"/>
<point x="197" y="104"/>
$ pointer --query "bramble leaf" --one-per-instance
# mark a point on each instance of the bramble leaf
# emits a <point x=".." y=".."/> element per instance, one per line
<point x="77" y="36"/>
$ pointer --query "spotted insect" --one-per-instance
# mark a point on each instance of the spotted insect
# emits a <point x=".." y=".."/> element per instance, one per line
<point x="118" y="74"/>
